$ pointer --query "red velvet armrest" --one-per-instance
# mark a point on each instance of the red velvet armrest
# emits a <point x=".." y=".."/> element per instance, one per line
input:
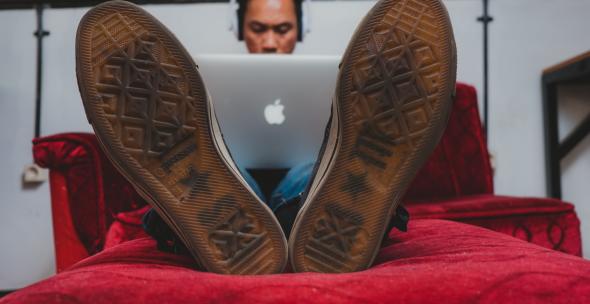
<point x="87" y="193"/>
<point x="68" y="247"/>
<point x="550" y="223"/>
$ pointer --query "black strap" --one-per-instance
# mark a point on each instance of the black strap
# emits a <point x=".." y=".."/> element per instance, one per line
<point x="400" y="219"/>
<point x="164" y="235"/>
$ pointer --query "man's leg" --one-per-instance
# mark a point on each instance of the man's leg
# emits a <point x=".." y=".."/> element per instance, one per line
<point x="286" y="198"/>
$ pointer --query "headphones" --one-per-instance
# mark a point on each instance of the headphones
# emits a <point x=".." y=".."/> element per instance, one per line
<point x="237" y="12"/>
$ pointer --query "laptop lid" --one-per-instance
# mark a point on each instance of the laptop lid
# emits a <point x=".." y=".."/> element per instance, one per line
<point x="272" y="109"/>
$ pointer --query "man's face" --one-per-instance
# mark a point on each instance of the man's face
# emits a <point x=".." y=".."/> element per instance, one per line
<point x="270" y="26"/>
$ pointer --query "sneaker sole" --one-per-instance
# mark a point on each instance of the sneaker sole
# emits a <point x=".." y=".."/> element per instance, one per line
<point x="392" y="102"/>
<point x="150" y="111"/>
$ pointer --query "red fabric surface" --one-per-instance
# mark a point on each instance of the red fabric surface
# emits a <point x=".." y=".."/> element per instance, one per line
<point x="435" y="261"/>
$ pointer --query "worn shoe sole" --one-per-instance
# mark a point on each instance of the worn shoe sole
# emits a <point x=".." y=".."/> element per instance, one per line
<point x="392" y="103"/>
<point x="150" y="111"/>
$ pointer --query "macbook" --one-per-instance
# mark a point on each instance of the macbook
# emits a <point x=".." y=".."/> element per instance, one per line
<point x="272" y="109"/>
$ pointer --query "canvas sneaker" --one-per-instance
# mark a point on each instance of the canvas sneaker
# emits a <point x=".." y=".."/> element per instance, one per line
<point x="392" y="101"/>
<point x="153" y="117"/>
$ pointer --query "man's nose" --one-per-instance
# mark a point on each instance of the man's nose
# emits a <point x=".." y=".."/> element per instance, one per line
<point x="270" y="42"/>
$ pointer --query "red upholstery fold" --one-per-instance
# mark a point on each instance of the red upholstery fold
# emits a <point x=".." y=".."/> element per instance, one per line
<point x="126" y="227"/>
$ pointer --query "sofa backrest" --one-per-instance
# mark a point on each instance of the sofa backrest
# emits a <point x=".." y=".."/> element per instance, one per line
<point x="460" y="164"/>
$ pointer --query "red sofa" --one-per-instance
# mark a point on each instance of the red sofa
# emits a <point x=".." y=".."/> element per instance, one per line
<point x="97" y="219"/>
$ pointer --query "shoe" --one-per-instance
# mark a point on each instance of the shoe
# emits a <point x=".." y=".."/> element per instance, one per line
<point x="154" y="120"/>
<point x="391" y="105"/>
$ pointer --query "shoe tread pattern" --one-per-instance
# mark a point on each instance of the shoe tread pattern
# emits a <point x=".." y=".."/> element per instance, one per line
<point x="144" y="92"/>
<point x="393" y="98"/>
<point x="149" y="108"/>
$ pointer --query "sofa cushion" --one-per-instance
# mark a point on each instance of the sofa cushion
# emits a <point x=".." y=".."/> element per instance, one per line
<point x="435" y="260"/>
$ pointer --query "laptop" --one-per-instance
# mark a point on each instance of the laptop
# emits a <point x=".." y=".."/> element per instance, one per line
<point x="272" y="109"/>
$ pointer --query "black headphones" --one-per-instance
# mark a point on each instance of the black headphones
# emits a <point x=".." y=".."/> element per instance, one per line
<point x="240" y="7"/>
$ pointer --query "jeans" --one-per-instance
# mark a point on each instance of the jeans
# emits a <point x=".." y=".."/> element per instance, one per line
<point x="290" y="187"/>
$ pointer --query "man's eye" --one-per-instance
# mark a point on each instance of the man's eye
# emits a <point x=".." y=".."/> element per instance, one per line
<point x="283" y="28"/>
<point x="258" y="28"/>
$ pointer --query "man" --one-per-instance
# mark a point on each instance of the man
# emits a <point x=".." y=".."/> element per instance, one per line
<point x="269" y="26"/>
<point x="150" y="110"/>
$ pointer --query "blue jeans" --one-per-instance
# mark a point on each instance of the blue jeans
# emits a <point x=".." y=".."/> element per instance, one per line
<point x="290" y="188"/>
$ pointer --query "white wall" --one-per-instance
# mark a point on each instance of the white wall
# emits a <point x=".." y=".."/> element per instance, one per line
<point x="526" y="36"/>
<point x="26" y="237"/>
<point x="574" y="106"/>
<point x="203" y="28"/>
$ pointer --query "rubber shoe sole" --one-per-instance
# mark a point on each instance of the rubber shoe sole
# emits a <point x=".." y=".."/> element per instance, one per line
<point x="391" y="106"/>
<point x="152" y="116"/>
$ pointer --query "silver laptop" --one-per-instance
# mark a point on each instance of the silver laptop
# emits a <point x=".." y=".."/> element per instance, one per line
<point x="272" y="109"/>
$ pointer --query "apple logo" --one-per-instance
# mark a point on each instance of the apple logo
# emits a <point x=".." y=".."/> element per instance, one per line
<point x="273" y="113"/>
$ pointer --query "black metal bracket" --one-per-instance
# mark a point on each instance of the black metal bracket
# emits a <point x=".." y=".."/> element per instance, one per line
<point x="40" y="33"/>
<point x="572" y="72"/>
<point x="485" y="19"/>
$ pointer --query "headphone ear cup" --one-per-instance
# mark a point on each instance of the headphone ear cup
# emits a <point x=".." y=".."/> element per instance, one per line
<point x="233" y="17"/>
<point x="305" y="18"/>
